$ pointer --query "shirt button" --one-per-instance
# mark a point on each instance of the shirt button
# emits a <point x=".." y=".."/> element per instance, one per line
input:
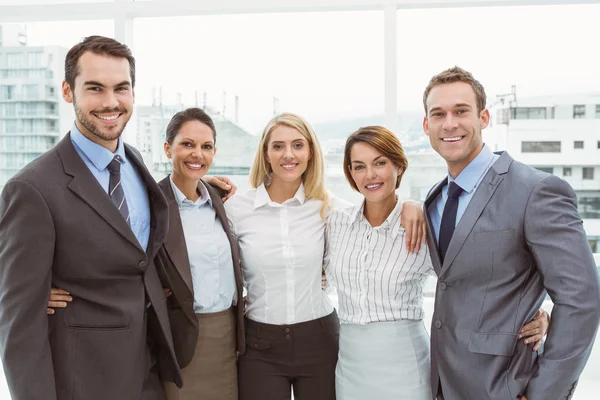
<point x="256" y="345"/>
<point x="143" y="263"/>
<point x="443" y="285"/>
<point x="438" y="324"/>
<point x="287" y="337"/>
<point x="287" y="329"/>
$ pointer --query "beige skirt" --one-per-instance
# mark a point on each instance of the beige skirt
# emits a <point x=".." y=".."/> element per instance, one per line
<point x="212" y="373"/>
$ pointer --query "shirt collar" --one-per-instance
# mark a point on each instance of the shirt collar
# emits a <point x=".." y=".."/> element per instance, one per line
<point x="262" y="197"/>
<point x="472" y="173"/>
<point x="183" y="202"/>
<point x="391" y="222"/>
<point x="98" y="155"/>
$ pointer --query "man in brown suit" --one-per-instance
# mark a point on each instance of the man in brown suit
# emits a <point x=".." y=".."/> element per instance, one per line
<point x="87" y="217"/>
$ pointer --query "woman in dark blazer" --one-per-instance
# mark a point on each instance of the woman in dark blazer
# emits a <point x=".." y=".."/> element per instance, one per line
<point x="199" y="267"/>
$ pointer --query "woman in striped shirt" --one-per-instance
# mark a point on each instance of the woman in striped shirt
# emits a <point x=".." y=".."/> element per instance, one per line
<point x="383" y="345"/>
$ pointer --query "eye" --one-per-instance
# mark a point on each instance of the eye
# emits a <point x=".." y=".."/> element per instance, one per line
<point x="186" y="144"/>
<point x="358" y="167"/>
<point x="277" y="146"/>
<point x="380" y="163"/>
<point x="94" y="89"/>
<point x="298" y="145"/>
<point x="123" y="89"/>
<point x="207" y="147"/>
<point x="436" y="114"/>
<point x="461" y="111"/>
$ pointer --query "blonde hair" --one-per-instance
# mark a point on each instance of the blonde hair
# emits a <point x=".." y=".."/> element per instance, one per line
<point x="314" y="176"/>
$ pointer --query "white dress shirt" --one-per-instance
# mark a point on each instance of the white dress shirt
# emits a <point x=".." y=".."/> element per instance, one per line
<point x="209" y="252"/>
<point x="376" y="277"/>
<point x="282" y="248"/>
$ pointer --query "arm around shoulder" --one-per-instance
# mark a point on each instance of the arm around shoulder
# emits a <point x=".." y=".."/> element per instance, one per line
<point x="555" y="235"/>
<point x="26" y="253"/>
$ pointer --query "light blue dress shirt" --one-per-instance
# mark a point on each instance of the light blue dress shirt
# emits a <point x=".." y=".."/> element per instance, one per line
<point x="209" y="252"/>
<point x="97" y="159"/>
<point x="469" y="180"/>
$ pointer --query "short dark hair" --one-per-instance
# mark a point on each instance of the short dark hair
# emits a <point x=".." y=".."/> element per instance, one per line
<point x="384" y="141"/>
<point x="98" y="45"/>
<point x="457" y="74"/>
<point x="191" y="114"/>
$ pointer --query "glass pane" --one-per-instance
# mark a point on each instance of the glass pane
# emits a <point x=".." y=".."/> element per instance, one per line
<point x="326" y="67"/>
<point x="33" y="115"/>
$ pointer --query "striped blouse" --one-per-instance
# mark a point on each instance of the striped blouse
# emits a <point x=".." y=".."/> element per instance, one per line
<point x="376" y="278"/>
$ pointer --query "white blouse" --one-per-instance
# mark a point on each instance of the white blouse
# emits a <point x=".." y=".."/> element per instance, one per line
<point x="282" y="249"/>
<point x="376" y="278"/>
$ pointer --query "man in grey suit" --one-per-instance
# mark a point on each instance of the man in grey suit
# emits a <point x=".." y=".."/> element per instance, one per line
<point x="87" y="217"/>
<point x="501" y="234"/>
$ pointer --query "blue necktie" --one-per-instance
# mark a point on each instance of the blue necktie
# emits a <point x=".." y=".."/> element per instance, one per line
<point x="449" y="218"/>
<point x="115" y="188"/>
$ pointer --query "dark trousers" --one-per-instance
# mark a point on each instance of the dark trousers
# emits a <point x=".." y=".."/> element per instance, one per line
<point x="279" y="357"/>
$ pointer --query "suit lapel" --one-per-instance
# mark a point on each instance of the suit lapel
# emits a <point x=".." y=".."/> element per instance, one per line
<point x="431" y="240"/>
<point x="221" y="214"/>
<point x="86" y="186"/>
<point x="175" y="240"/>
<point x="481" y="198"/>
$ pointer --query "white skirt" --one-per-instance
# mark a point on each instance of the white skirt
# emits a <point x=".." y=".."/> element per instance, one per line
<point x="383" y="361"/>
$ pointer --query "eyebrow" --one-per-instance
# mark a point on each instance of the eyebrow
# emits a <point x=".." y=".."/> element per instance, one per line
<point x="458" y="105"/>
<point x="361" y="162"/>
<point x="94" y="83"/>
<point x="283" y="141"/>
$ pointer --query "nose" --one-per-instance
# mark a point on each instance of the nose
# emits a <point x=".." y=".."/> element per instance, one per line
<point x="450" y="122"/>
<point x="110" y="100"/>
<point x="288" y="153"/>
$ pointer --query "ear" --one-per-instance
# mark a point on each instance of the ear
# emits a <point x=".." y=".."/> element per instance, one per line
<point x="484" y="117"/>
<point x="66" y="92"/>
<point x="133" y="94"/>
<point x="167" y="148"/>
<point x="426" y="125"/>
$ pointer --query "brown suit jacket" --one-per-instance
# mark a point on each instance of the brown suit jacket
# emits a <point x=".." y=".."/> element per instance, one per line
<point x="174" y="267"/>
<point x="58" y="227"/>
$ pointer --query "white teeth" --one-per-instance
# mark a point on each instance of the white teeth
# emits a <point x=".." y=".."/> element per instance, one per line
<point x="194" y="165"/>
<point x="288" y="166"/>
<point x="373" y="186"/>
<point x="108" y="118"/>
<point x="452" y="139"/>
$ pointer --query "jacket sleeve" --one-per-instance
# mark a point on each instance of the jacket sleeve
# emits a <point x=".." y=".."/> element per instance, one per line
<point x="26" y="254"/>
<point x="554" y="233"/>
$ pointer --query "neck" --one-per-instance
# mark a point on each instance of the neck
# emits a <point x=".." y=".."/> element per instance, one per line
<point x="280" y="191"/>
<point x="377" y="213"/>
<point x="454" y="169"/>
<point x="189" y="187"/>
<point x="110" y="145"/>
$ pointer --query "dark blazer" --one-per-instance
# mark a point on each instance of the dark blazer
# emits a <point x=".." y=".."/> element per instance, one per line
<point x="58" y="227"/>
<point x="520" y="236"/>
<point x="174" y="266"/>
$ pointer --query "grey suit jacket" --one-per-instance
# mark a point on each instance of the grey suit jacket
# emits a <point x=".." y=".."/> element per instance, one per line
<point x="520" y="236"/>
<point x="58" y="227"/>
<point x="174" y="268"/>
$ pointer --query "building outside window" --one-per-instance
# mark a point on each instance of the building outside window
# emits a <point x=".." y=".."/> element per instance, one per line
<point x="567" y="171"/>
<point x="589" y="207"/>
<point x="578" y="144"/>
<point x="579" y="111"/>
<point x="588" y="173"/>
<point x="597" y="110"/>
<point x="540" y="147"/>
<point x="528" y="113"/>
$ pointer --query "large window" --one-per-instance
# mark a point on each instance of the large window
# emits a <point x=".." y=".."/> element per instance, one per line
<point x="579" y="111"/>
<point x="588" y="173"/>
<point x="540" y="147"/>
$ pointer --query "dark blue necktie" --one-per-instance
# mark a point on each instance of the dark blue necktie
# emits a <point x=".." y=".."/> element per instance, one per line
<point x="449" y="218"/>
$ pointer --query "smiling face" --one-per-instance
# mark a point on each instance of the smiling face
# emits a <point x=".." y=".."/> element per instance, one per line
<point x="454" y="125"/>
<point x="102" y="97"/>
<point x="374" y="174"/>
<point x="192" y="151"/>
<point x="288" y="153"/>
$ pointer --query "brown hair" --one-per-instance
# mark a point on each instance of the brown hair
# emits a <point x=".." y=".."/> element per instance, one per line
<point x="191" y="114"/>
<point x="384" y="141"/>
<point x="98" y="45"/>
<point x="457" y="74"/>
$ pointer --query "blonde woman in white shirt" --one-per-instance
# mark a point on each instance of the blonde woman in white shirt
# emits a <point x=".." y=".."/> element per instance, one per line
<point x="384" y="347"/>
<point x="291" y="326"/>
